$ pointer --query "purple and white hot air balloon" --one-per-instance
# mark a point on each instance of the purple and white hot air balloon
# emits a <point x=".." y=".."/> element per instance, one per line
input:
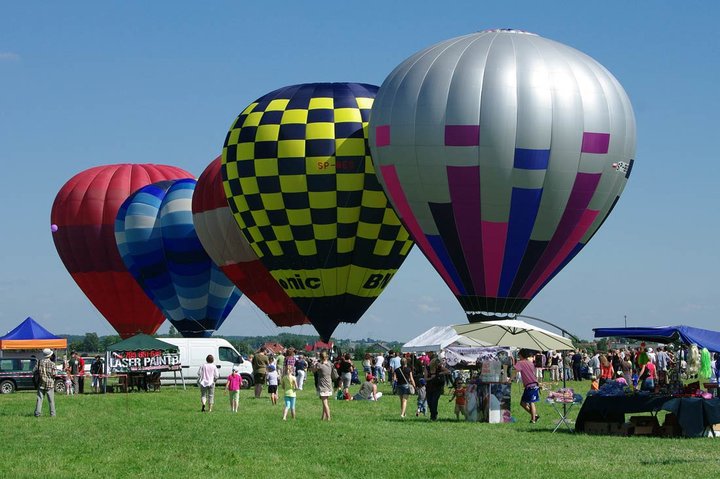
<point x="502" y="152"/>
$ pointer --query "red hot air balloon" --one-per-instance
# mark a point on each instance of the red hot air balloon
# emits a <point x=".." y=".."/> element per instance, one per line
<point x="84" y="212"/>
<point x="229" y="249"/>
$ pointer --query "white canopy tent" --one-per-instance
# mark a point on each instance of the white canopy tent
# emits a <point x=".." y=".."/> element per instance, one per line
<point x="438" y="338"/>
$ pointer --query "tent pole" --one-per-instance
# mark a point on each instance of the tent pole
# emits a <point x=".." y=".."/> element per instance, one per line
<point x="106" y="367"/>
<point x="562" y="368"/>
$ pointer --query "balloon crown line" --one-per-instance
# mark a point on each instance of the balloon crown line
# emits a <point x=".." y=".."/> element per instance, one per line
<point x="508" y="30"/>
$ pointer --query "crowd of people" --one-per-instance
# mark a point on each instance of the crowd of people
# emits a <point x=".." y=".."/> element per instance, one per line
<point x="640" y="366"/>
<point x="424" y="375"/>
<point x="74" y="369"/>
<point x="286" y="372"/>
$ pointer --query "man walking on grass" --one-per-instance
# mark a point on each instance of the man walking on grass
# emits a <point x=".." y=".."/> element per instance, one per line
<point x="379" y="368"/>
<point x="45" y="372"/>
<point x="259" y="364"/>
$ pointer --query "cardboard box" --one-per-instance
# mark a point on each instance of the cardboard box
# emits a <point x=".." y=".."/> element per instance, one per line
<point x="671" y="420"/>
<point x="620" y="429"/>
<point x="592" y="427"/>
<point x="645" y="431"/>
<point x="645" y="425"/>
<point x="671" y="427"/>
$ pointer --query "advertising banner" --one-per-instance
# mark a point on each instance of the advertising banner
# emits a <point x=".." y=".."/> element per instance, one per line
<point x="137" y="361"/>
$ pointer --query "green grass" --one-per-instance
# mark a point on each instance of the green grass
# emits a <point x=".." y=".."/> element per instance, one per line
<point x="164" y="434"/>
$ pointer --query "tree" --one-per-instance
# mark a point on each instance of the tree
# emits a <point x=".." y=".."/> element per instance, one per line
<point x="75" y="346"/>
<point x="243" y="347"/>
<point x="173" y="332"/>
<point x="291" y="341"/>
<point x="91" y="343"/>
<point x="108" y="341"/>
<point x="360" y="351"/>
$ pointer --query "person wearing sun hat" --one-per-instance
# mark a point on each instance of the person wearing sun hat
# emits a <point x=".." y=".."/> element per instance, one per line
<point x="45" y="372"/>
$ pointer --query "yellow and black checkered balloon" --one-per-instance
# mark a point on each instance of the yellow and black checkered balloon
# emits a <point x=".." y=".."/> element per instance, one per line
<point x="300" y="182"/>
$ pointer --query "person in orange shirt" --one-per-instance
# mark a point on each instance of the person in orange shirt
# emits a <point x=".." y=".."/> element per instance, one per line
<point x="459" y="396"/>
<point x="607" y="372"/>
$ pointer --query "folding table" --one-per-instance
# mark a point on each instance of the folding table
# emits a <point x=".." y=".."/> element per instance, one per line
<point x="563" y="406"/>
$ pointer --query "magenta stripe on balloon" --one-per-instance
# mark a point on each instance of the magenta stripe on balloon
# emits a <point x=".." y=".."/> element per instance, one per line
<point x="462" y="135"/>
<point x="583" y="190"/>
<point x="595" y="142"/>
<point x="494" y="236"/>
<point x="586" y="220"/>
<point x="464" y="185"/>
<point x="382" y="135"/>
<point x="396" y="193"/>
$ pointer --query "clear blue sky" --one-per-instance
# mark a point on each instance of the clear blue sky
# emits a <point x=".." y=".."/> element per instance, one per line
<point x="90" y="83"/>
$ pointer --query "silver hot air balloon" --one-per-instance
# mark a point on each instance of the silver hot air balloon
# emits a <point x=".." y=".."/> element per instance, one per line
<point x="502" y="152"/>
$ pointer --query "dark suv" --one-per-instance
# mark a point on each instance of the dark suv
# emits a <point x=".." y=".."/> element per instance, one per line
<point x="16" y="374"/>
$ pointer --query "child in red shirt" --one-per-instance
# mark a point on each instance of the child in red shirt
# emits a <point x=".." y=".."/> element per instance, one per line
<point x="459" y="396"/>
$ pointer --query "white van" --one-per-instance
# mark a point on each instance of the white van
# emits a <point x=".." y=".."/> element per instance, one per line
<point x="193" y="354"/>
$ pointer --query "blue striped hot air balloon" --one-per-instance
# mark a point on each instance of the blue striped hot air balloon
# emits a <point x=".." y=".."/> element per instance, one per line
<point x="157" y="241"/>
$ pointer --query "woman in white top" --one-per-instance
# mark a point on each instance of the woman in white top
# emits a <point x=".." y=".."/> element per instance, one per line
<point x="207" y="375"/>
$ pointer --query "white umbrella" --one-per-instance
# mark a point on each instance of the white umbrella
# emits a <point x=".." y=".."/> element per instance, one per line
<point x="514" y="333"/>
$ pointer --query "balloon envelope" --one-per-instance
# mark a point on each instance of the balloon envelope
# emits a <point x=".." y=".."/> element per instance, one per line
<point x="158" y="244"/>
<point x="229" y="249"/>
<point x="502" y="152"/>
<point x="298" y="177"/>
<point x="84" y="212"/>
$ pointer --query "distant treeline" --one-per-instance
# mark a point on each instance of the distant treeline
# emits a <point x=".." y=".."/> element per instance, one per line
<point x="92" y="343"/>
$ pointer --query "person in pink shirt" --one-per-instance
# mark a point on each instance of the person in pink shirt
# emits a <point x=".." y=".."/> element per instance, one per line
<point x="648" y="374"/>
<point x="531" y="395"/>
<point x="233" y="386"/>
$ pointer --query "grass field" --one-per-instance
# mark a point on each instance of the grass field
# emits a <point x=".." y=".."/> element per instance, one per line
<point x="163" y="434"/>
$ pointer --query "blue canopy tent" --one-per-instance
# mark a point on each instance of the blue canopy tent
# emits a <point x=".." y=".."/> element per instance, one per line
<point x="694" y="414"/>
<point x="704" y="338"/>
<point x="30" y="335"/>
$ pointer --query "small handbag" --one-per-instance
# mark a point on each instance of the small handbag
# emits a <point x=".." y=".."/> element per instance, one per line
<point x="410" y="386"/>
